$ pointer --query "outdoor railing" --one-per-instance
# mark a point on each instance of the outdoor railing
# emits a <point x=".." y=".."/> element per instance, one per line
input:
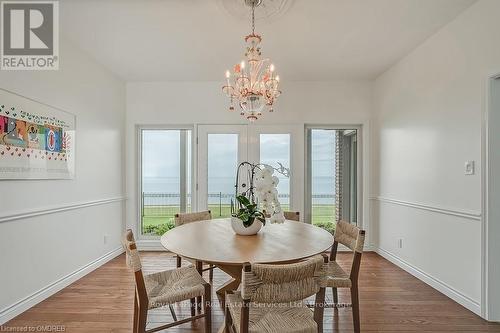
<point x="158" y="209"/>
<point x="167" y="204"/>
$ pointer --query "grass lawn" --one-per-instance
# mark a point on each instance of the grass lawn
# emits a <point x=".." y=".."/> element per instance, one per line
<point x="159" y="219"/>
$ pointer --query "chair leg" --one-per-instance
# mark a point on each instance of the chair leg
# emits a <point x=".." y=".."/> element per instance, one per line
<point x="136" y="315"/>
<point x="211" y="273"/>
<point x="335" y="296"/>
<point x="143" y="316"/>
<point x="172" y="312"/>
<point x="179" y="261"/>
<point x="319" y="309"/>
<point x="193" y="307"/>
<point x="355" y="308"/>
<point x="199" y="268"/>
<point x="228" y="322"/>
<point x="207" y="308"/>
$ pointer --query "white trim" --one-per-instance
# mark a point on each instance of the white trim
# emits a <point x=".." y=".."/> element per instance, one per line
<point x="435" y="283"/>
<point x="58" y="209"/>
<point x="471" y="215"/>
<point x="19" y="307"/>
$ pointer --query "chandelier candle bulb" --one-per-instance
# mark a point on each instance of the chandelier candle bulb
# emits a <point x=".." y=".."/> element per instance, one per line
<point x="228" y="75"/>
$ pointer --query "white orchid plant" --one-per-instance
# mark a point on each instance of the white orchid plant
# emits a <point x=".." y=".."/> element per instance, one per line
<point x="264" y="188"/>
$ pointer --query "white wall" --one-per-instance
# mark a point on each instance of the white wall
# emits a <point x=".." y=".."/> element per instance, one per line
<point x="301" y="103"/>
<point x="36" y="252"/>
<point x="427" y="124"/>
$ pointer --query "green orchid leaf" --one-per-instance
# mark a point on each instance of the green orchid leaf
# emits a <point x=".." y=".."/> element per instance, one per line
<point x="243" y="200"/>
<point x="248" y="222"/>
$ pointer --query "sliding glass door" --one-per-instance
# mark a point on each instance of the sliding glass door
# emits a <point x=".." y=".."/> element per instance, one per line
<point x="222" y="147"/>
<point x="332" y="176"/>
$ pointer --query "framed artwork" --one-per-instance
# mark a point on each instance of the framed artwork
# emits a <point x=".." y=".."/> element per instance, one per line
<point x="37" y="141"/>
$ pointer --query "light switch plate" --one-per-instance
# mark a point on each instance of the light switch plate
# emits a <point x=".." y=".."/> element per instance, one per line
<point x="469" y="168"/>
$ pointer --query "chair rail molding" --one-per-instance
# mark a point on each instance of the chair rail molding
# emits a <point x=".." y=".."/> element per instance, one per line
<point x="470" y="215"/>
<point x="59" y="208"/>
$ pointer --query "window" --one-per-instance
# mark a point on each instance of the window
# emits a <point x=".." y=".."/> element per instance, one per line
<point x="275" y="150"/>
<point x="332" y="177"/>
<point x="165" y="180"/>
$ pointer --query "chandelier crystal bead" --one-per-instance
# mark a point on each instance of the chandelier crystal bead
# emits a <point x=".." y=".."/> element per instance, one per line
<point x="254" y="88"/>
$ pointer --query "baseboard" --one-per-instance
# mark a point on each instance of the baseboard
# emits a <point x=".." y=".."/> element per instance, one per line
<point x="17" y="308"/>
<point x="440" y="286"/>
<point x="150" y="245"/>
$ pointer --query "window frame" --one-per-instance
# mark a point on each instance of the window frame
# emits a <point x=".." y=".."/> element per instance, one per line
<point x="139" y="134"/>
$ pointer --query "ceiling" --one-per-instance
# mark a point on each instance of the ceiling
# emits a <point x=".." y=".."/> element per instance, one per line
<point x="197" y="40"/>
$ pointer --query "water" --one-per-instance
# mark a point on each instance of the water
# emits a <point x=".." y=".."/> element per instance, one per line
<point x="322" y="186"/>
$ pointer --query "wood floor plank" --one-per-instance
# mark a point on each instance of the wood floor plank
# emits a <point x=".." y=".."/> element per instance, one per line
<point x="391" y="301"/>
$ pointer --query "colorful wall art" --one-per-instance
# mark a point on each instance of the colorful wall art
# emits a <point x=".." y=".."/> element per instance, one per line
<point x="37" y="141"/>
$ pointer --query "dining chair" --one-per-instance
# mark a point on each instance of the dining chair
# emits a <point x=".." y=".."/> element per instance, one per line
<point x="165" y="288"/>
<point x="294" y="216"/>
<point x="271" y="298"/>
<point x="184" y="218"/>
<point x="354" y="238"/>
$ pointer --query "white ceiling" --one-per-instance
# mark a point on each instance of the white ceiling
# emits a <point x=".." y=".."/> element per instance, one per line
<point x="197" y="40"/>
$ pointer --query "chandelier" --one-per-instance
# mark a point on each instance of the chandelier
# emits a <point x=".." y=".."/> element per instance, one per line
<point x="253" y="84"/>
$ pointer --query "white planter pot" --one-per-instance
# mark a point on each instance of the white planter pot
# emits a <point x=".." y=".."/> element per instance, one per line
<point x="240" y="229"/>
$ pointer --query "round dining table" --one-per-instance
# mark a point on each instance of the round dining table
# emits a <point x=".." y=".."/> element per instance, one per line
<point x="214" y="242"/>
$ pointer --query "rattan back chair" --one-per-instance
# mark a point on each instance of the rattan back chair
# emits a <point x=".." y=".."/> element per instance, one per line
<point x="164" y="289"/>
<point x="272" y="298"/>
<point x="293" y="216"/>
<point x="353" y="238"/>
<point x="184" y="218"/>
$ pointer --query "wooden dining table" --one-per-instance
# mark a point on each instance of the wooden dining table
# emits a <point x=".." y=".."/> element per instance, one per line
<point x="214" y="242"/>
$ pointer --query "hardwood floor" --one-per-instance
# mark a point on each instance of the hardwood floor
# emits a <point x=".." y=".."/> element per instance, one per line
<point x="391" y="301"/>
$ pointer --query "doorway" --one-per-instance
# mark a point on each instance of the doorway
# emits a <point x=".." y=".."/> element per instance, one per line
<point x="222" y="147"/>
<point x="491" y="209"/>
<point x="332" y="186"/>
